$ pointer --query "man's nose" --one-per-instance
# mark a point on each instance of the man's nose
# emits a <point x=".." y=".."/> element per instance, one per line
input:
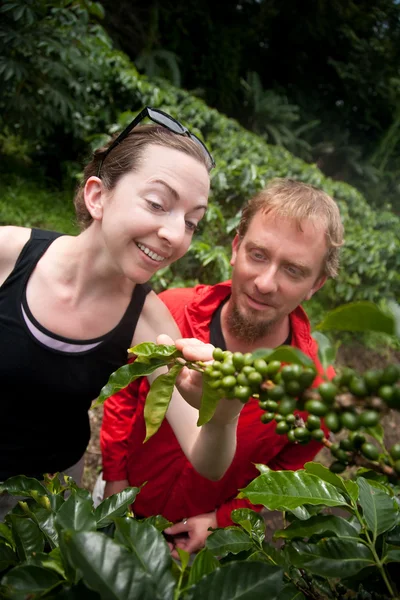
<point x="267" y="281"/>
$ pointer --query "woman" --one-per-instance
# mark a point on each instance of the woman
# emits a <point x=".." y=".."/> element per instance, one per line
<point x="71" y="306"/>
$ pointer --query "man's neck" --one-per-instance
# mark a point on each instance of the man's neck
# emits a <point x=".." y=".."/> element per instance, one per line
<point x="274" y="338"/>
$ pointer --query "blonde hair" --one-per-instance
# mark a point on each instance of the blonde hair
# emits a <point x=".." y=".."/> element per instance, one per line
<point x="299" y="201"/>
<point x="126" y="157"/>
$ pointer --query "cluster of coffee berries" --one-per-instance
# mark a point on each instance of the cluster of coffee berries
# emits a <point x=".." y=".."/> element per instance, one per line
<point x="351" y="402"/>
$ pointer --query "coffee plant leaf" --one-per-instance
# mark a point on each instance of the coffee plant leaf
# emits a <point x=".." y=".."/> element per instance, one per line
<point x="326" y="350"/>
<point x="240" y="580"/>
<point x="380" y="510"/>
<point x="394" y="307"/>
<point x="149" y="549"/>
<point x="331" y="557"/>
<point x="289" y="354"/>
<point x="208" y="404"/>
<point x="77" y="513"/>
<point x="158" y="399"/>
<point x="203" y="564"/>
<point x="392" y="554"/>
<point x="230" y="540"/>
<point x="320" y="525"/>
<point x="29" y="581"/>
<point x="8" y="558"/>
<point x="21" y="485"/>
<point x="347" y="486"/>
<point x="115" y="506"/>
<point x="358" y="316"/>
<point x="251" y="521"/>
<point x="291" y="592"/>
<point x="109" y="568"/>
<point x="123" y="376"/>
<point x="152" y="351"/>
<point x="286" y="490"/>
<point x="27" y="536"/>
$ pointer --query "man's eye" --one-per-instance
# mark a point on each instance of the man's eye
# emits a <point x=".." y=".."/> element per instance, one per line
<point x="293" y="271"/>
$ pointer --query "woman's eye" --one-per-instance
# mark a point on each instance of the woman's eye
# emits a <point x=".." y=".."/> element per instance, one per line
<point x="155" y="205"/>
<point x="191" y="226"/>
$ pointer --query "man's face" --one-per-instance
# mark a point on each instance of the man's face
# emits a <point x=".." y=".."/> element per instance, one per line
<point x="276" y="266"/>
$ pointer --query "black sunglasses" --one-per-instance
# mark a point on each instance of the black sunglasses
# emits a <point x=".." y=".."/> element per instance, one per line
<point x="161" y="118"/>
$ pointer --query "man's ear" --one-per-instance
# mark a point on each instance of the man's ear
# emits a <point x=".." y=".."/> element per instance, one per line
<point x="93" y="194"/>
<point x="317" y="286"/>
<point x="235" y="246"/>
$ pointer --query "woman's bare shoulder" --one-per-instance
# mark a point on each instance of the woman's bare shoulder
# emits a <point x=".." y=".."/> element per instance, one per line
<point x="12" y="240"/>
<point x="155" y="319"/>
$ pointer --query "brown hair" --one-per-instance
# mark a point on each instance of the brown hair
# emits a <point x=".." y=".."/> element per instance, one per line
<point x="127" y="157"/>
<point x="299" y="201"/>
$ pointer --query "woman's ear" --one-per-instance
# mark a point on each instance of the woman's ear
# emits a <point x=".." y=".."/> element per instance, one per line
<point x="94" y="196"/>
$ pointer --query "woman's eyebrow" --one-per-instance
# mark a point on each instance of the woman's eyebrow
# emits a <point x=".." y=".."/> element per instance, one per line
<point x="175" y="194"/>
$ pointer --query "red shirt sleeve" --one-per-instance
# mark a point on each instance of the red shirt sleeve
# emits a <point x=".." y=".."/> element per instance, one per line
<point x="119" y="413"/>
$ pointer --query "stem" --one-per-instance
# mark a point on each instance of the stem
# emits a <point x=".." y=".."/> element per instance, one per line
<point x="371" y="546"/>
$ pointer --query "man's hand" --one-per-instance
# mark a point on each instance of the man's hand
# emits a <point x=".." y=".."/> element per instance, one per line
<point x="113" y="487"/>
<point x="191" y="535"/>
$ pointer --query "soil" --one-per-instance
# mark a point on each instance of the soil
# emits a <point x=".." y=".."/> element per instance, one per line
<point x="355" y="356"/>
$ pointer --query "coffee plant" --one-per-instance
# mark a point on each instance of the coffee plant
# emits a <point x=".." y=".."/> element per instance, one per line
<point x="341" y="534"/>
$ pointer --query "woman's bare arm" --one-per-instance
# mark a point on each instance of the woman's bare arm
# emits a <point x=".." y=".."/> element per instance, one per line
<point x="209" y="448"/>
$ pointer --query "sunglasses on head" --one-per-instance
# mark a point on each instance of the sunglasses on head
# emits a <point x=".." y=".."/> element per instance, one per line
<point x="163" y="119"/>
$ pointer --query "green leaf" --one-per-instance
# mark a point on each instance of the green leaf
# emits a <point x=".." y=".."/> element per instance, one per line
<point x="380" y="510"/>
<point x="29" y="581"/>
<point x="209" y="402"/>
<point x="27" y="535"/>
<point x="115" y="506"/>
<point x="289" y="354"/>
<point x="158" y="521"/>
<point x="395" y="310"/>
<point x="8" y="557"/>
<point x="23" y="486"/>
<point x="122" y="377"/>
<point x="150" y="552"/>
<point x="291" y="592"/>
<point x="286" y="490"/>
<point x="358" y="316"/>
<point x="240" y="580"/>
<point x="326" y="350"/>
<point x="229" y="540"/>
<point x="5" y="532"/>
<point x="151" y="350"/>
<point x="251" y="521"/>
<point x="348" y="486"/>
<point x="76" y="513"/>
<point x="203" y="564"/>
<point x="392" y="554"/>
<point x="322" y="525"/>
<point x="158" y="399"/>
<point x="109" y="568"/>
<point x="331" y="557"/>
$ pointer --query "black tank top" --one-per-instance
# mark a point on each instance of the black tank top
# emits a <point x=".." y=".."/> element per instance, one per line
<point x="46" y="392"/>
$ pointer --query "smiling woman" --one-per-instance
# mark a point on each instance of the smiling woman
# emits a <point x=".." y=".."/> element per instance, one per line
<point x="71" y="306"/>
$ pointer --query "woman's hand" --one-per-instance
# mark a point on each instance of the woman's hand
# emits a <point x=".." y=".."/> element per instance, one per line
<point x="190" y="382"/>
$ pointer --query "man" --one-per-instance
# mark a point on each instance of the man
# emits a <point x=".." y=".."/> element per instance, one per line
<point x="286" y="247"/>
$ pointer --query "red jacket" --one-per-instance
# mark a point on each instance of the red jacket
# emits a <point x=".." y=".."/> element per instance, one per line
<point x="174" y="489"/>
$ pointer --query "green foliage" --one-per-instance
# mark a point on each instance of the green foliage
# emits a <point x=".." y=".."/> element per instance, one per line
<point x="55" y="545"/>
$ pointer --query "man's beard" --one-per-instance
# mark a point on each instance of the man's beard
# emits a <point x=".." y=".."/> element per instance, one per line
<point x="245" y="328"/>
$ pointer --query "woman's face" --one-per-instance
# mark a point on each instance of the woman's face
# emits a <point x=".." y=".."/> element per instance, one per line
<point x="149" y="219"/>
